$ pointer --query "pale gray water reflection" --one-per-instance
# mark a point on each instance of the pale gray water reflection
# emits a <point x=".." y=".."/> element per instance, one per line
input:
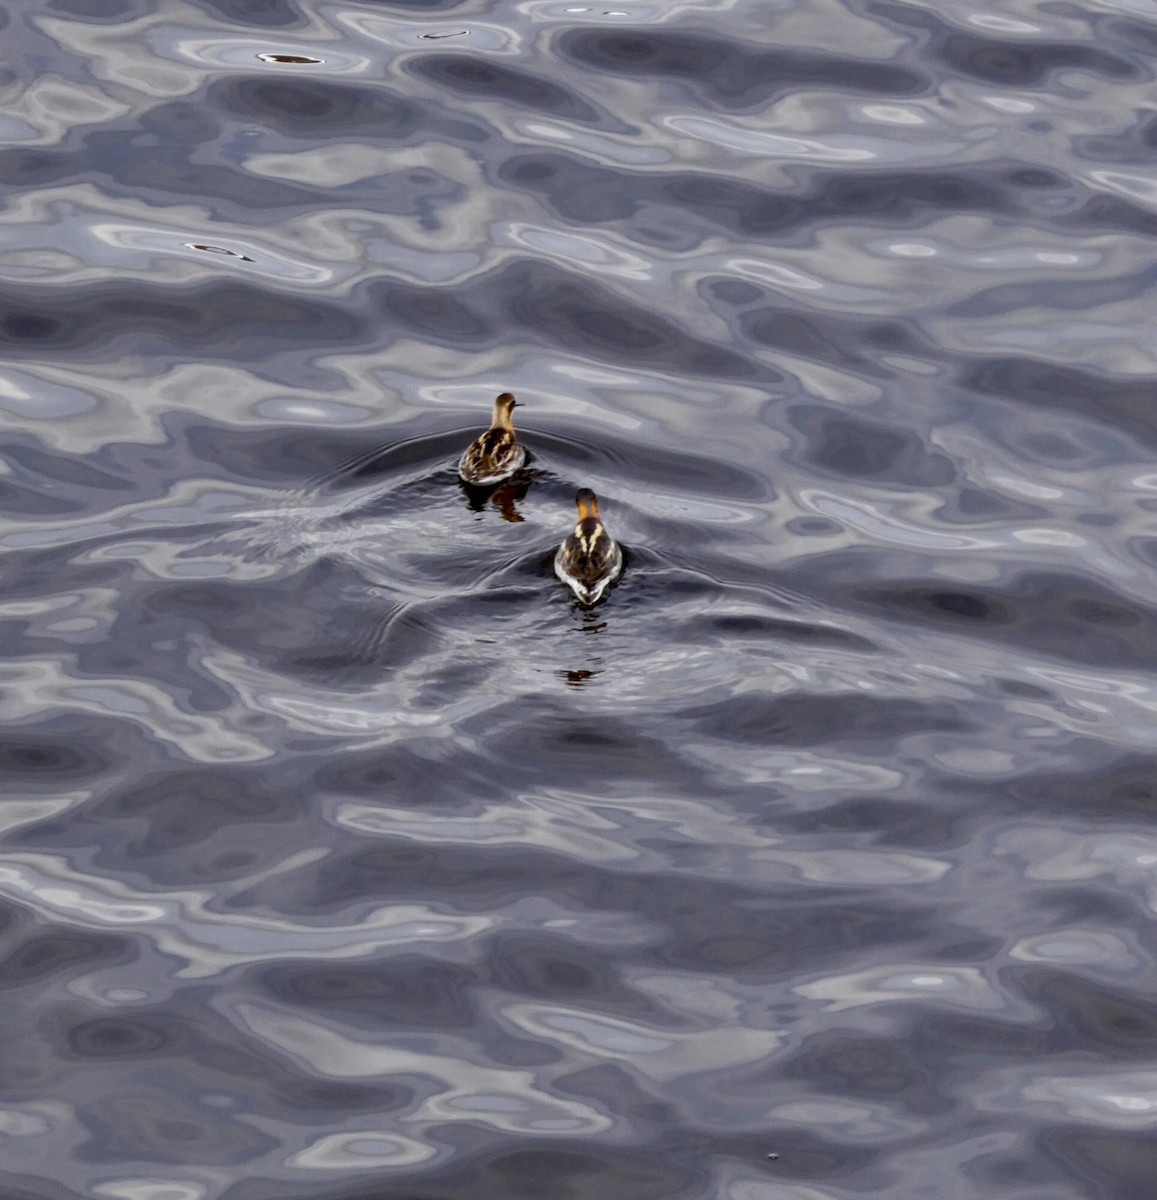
<point x="344" y="856"/>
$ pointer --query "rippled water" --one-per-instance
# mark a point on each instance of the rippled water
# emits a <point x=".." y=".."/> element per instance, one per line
<point x="345" y="857"/>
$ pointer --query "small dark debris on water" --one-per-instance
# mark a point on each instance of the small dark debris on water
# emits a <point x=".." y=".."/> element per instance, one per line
<point x="303" y="59"/>
<point x="218" y="250"/>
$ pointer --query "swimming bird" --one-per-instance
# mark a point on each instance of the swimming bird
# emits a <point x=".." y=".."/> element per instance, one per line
<point x="589" y="560"/>
<point x="496" y="454"/>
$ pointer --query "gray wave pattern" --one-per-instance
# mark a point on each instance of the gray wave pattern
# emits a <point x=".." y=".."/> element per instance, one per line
<point x="344" y="857"/>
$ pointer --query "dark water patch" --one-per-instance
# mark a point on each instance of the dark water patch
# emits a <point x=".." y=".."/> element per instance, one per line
<point x="279" y="13"/>
<point x="895" y="199"/>
<point x="1124" y="146"/>
<point x="29" y="573"/>
<point x="1077" y="294"/>
<point x="854" y="447"/>
<point x="183" y="143"/>
<point x="316" y="107"/>
<point x="1067" y="617"/>
<point x="34" y="1187"/>
<point x="706" y="926"/>
<point x="381" y="636"/>
<point x="309" y="457"/>
<point x="50" y="755"/>
<point x="412" y="776"/>
<point x="95" y="12"/>
<point x="972" y="506"/>
<point x="1145" y="548"/>
<point x="1022" y="63"/>
<point x="1122" y="405"/>
<point x="160" y="173"/>
<point x="557" y="307"/>
<point x="568" y="309"/>
<point x="510" y="1173"/>
<point x="851" y="1063"/>
<point x="571" y="453"/>
<point x="1035" y="178"/>
<point x="470" y="76"/>
<point x="108" y="1045"/>
<point x="818" y="337"/>
<point x="1089" y="905"/>
<point x="732" y="628"/>
<point x="122" y="1038"/>
<point x="390" y="454"/>
<point x="209" y="809"/>
<point x="43" y="957"/>
<point x="433" y="312"/>
<point x="1069" y="449"/>
<point x="408" y="991"/>
<point x="1108" y="213"/>
<point x="1101" y="1020"/>
<point x="965" y="1036"/>
<point x="1112" y="1165"/>
<point x="302" y="1099"/>
<point x="584" y="749"/>
<point x="578" y="1171"/>
<point x="891" y="822"/>
<point x="730" y="74"/>
<point x="220" y="605"/>
<point x="32" y="501"/>
<point x="180" y="827"/>
<point x="1027" y="64"/>
<point x="1122" y="792"/>
<point x="30" y="168"/>
<point x="733" y="291"/>
<point x="951" y="605"/>
<point x="66" y="469"/>
<point x="904" y="199"/>
<point x="811" y="527"/>
<point x="384" y="638"/>
<point x="799" y="1154"/>
<point x="802" y="720"/>
<point x="492" y="1172"/>
<point x="241" y="317"/>
<point x="578" y="310"/>
<point x="591" y="193"/>
<point x="150" y="1123"/>
<point x="270" y="619"/>
<point x="1098" y="520"/>
<point x="1131" y="37"/>
<point x="573" y="187"/>
<point x="181" y="122"/>
<point x="552" y="967"/>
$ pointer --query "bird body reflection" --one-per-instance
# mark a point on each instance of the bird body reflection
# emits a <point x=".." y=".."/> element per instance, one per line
<point x="589" y="559"/>
<point x="496" y="454"/>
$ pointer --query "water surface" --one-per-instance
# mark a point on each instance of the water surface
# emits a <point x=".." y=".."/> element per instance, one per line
<point x="347" y="858"/>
